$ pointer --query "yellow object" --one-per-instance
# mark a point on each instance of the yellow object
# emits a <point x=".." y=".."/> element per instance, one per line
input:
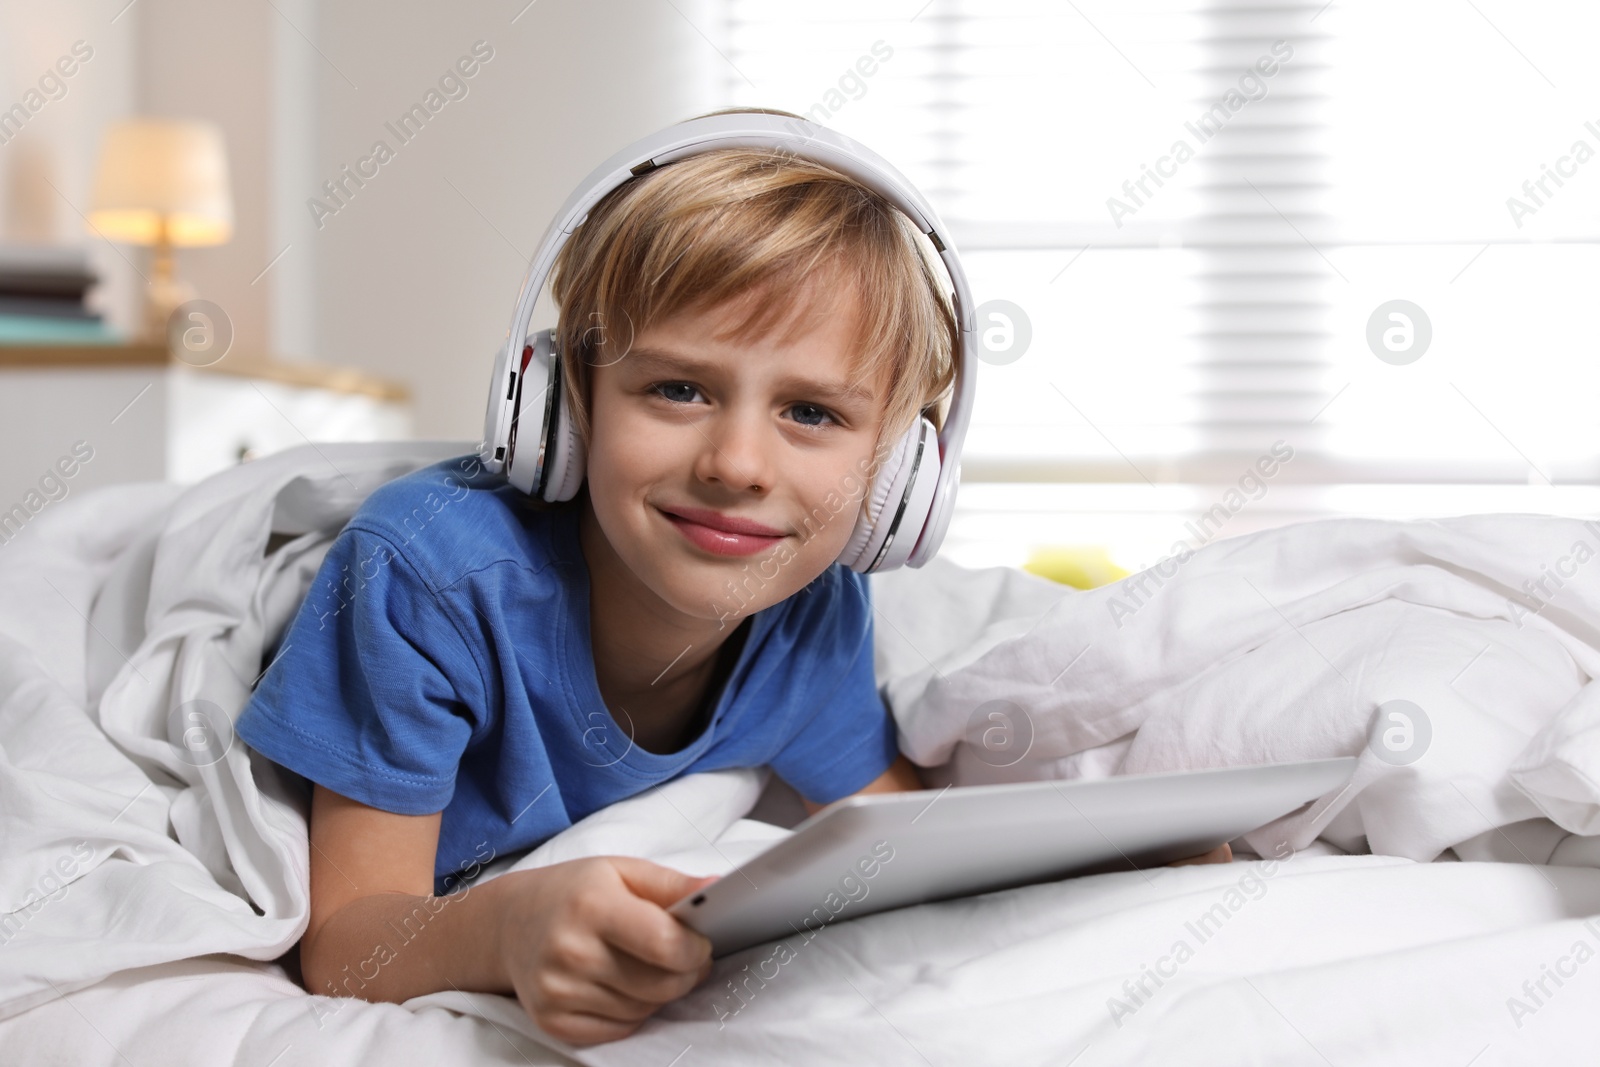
<point x="1080" y="566"/>
<point x="163" y="182"/>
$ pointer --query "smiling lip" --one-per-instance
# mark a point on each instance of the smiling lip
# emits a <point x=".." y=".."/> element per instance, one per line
<point x="724" y="535"/>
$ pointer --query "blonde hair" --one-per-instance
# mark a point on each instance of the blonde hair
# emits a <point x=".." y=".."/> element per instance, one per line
<point x="692" y="234"/>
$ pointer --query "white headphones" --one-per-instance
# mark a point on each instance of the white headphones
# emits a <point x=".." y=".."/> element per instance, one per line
<point x="920" y="476"/>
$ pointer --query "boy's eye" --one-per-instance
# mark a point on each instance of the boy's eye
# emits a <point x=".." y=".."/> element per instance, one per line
<point x="811" y="411"/>
<point x="662" y="388"/>
<point x="683" y="393"/>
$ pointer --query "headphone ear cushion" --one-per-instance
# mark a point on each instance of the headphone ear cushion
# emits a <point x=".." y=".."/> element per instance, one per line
<point x="564" y="448"/>
<point x="906" y="477"/>
<point x="525" y="437"/>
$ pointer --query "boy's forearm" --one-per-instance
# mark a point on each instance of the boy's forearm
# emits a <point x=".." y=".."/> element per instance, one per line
<point x="394" y="946"/>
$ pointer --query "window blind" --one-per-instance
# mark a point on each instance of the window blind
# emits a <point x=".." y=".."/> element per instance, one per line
<point x="1207" y="210"/>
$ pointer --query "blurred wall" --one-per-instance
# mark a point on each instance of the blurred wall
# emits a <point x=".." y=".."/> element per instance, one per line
<point x="47" y="167"/>
<point x="215" y="61"/>
<point x="418" y="272"/>
<point x="414" y="275"/>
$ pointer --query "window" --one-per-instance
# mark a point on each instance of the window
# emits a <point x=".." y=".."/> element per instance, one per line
<point x="1206" y="210"/>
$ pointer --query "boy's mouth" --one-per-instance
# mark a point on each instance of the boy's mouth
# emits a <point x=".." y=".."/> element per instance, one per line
<point x="722" y="535"/>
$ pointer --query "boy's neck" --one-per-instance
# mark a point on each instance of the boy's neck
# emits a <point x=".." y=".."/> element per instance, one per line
<point x="649" y="659"/>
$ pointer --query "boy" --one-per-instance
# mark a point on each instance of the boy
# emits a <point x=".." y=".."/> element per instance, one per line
<point x="475" y="670"/>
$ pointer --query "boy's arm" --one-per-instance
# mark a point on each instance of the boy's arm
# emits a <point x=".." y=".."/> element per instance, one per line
<point x="372" y="875"/>
<point x="585" y="945"/>
<point x="901" y="777"/>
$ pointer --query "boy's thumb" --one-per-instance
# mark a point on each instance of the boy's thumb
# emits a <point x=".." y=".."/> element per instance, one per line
<point x="658" y="884"/>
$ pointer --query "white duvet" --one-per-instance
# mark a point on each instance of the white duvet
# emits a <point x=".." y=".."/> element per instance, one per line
<point x="144" y="897"/>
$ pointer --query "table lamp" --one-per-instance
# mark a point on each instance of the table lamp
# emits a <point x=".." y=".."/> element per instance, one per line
<point x="163" y="182"/>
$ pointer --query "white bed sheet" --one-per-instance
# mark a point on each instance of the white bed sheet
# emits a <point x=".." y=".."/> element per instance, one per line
<point x="158" y="948"/>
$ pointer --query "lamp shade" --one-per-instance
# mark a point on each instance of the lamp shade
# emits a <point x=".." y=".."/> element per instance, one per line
<point x="155" y="171"/>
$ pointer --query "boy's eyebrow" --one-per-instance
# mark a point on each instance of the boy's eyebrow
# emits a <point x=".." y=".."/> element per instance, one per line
<point x="678" y="364"/>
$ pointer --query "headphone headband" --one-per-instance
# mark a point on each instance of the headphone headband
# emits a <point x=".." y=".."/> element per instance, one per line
<point x="802" y="139"/>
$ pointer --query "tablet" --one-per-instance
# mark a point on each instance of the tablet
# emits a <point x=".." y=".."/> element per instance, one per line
<point x="866" y="854"/>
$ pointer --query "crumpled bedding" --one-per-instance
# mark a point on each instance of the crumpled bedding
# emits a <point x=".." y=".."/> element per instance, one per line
<point x="151" y="893"/>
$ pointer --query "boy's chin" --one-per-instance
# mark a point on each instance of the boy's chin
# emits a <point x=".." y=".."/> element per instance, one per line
<point x="727" y="592"/>
<point x="716" y="600"/>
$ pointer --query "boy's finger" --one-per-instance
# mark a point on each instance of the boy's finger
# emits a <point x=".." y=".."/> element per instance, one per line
<point x="648" y="932"/>
<point x="583" y="1028"/>
<point x="633" y="977"/>
<point x="607" y="1002"/>
<point x="1223" y="853"/>
<point x="655" y="883"/>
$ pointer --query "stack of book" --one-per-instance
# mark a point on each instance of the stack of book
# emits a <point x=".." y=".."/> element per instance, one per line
<point x="42" y="297"/>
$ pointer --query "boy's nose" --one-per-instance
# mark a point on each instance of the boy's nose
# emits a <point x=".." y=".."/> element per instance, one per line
<point x="736" y="452"/>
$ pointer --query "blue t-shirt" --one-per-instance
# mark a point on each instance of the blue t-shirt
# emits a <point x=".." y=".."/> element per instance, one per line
<point x="441" y="662"/>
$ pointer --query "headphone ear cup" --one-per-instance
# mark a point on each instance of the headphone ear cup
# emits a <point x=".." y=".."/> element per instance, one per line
<point x="563" y="447"/>
<point x="895" y="512"/>
<point x="567" y="455"/>
<point x="525" y="435"/>
<point x="544" y="456"/>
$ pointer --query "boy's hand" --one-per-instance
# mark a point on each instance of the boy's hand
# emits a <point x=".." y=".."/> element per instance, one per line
<point x="590" y="949"/>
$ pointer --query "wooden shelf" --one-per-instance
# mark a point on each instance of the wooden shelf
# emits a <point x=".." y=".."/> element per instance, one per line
<point x="239" y="365"/>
